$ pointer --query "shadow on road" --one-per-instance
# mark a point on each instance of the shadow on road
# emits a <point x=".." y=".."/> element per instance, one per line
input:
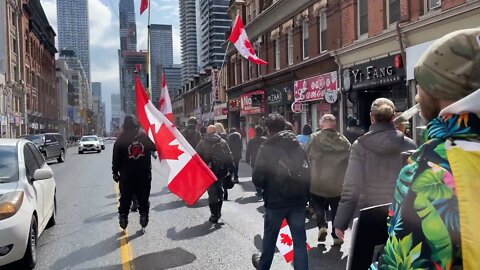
<point x="178" y="204"/>
<point x="252" y="199"/>
<point x="192" y="232"/>
<point x="247" y="186"/>
<point x="166" y="259"/>
<point x="164" y="191"/>
<point x="321" y="258"/>
<point x="101" y="217"/>
<point x="84" y="254"/>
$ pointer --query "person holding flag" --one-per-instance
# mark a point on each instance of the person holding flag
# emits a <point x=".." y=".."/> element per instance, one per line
<point x="282" y="171"/>
<point x="132" y="169"/>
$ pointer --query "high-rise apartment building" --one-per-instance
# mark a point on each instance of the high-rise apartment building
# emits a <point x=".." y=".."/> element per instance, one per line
<point x="161" y="54"/>
<point x="173" y="76"/>
<point x="128" y="27"/>
<point x="213" y="23"/>
<point x="129" y="63"/>
<point x="73" y="33"/>
<point x="97" y="91"/>
<point x="116" y="113"/>
<point x="188" y="39"/>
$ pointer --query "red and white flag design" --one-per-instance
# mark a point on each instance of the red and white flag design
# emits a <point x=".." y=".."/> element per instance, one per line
<point x="240" y="39"/>
<point x="285" y="242"/>
<point x="188" y="176"/>
<point x="165" y="104"/>
<point x="143" y="6"/>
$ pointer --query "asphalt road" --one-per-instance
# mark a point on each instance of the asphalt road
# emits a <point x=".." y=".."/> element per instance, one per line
<point x="87" y="235"/>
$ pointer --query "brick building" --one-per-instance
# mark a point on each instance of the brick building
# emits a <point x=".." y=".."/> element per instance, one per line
<point x="334" y="56"/>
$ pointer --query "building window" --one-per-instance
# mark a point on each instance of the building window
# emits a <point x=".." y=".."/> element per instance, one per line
<point x="393" y="11"/>
<point x="235" y="73"/>
<point x="277" y="53"/>
<point x="362" y="17"/>
<point x="290" y="47"/>
<point x="323" y="31"/>
<point x="432" y="4"/>
<point x="250" y="70"/>
<point x="241" y="71"/>
<point x="305" y="39"/>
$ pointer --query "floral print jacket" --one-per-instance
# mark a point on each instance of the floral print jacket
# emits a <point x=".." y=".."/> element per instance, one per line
<point x="423" y="222"/>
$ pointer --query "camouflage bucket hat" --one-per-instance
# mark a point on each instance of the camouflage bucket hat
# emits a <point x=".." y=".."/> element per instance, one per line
<point x="450" y="68"/>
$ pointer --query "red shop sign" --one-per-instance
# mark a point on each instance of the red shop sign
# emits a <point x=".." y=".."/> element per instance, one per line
<point x="252" y="103"/>
<point x="314" y="88"/>
<point x="234" y="104"/>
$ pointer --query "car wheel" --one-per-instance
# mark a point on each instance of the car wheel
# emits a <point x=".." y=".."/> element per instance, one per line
<point x="80" y="152"/>
<point x="61" y="158"/>
<point x="98" y="151"/>
<point x="30" y="257"/>
<point x="53" y="219"/>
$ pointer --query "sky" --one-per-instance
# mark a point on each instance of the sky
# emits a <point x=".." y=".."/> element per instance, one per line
<point x="105" y="40"/>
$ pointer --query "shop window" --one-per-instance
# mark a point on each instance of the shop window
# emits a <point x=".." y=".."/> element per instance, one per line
<point x="323" y="31"/>
<point x="393" y="11"/>
<point x="277" y="53"/>
<point x="290" y="47"/>
<point x="362" y="17"/>
<point x="305" y="39"/>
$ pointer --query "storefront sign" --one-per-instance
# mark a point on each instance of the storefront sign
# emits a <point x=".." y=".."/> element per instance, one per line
<point x="234" y="104"/>
<point x="331" y="96"/>
<point x="297" y="107"/>
<point x="280" y="94"/>
<point x="385" y="71"/>
<point x="220" y="111"/>
<point x="252" y="103"/>
<point x="314" y="88"/>
<point x="215" y="86"/>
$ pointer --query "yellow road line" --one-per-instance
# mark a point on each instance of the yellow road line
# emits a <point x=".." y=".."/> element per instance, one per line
<point x="125" y="248"/>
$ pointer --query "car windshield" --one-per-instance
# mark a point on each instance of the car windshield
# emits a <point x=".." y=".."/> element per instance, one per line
<point x="89" y="139"/>
<point x="8" y="164"/>
<point x="36" y="139"/>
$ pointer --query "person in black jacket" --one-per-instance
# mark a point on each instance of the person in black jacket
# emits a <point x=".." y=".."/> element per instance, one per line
<point x="282" y="170"/>
<point x="236" y="146"/>
<point x="216" y="154"/>
<point x="132" y="169"/>
<point x="252" y="150"/>
<point x="191" y="134"/>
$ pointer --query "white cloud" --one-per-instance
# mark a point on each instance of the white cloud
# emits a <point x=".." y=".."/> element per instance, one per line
<point x="102" y="26"/>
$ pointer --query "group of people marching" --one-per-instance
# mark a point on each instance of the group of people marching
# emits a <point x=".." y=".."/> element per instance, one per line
<point x="430" y="222"/>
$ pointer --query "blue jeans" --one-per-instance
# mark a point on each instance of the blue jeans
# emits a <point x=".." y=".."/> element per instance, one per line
<point x="296" y="221"/>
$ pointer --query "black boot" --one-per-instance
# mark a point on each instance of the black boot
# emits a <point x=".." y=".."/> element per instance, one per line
<point x="144" y="220"/>
<point x="123" y="220"/>
<point x="219" y="209"/>
<point x="213" y="213"/>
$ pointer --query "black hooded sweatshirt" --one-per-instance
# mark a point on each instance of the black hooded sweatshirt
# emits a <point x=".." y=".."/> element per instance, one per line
<point x="266" y="165"/>
<point x="132" y="153"/>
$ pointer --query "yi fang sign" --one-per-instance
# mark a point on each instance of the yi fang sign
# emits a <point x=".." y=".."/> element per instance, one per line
<point x="314" y="88"/>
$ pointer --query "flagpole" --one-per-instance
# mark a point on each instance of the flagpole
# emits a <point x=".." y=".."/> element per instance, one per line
<point x="148" y="53"/>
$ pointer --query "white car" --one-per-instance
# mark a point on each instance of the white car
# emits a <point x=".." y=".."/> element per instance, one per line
<point x="27" y="201"/>
<point x="89" y="143"/>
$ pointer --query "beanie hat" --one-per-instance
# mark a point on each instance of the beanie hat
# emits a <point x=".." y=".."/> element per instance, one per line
<point x="130" y="123"/>
<point x="450" y="68"/>
<point x="192" y="121"/>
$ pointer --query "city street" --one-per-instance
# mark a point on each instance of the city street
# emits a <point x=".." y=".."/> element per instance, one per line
<point x="87" y="235"/>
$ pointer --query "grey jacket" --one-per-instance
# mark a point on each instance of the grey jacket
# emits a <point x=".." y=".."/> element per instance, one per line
<point x="374" y="164"/>
<point x="328" y="152"/>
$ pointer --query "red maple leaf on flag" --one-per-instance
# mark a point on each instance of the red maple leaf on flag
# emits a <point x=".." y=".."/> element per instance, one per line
<point x="163" y="138"/>
<point x="248" y="45"/>
<point x="286" y="239"/>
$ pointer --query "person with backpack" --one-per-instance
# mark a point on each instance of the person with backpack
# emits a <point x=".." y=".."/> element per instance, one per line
<point x="282" y="171"/>
<point x="434" y="218"/>
<point x="374" y="163"/>
<point x="132" y="169"/>
<point x="215" y="152"/>
<point x="252" y="149"/>
<point x="236" y="146"/>
<point x="191" y="134"/>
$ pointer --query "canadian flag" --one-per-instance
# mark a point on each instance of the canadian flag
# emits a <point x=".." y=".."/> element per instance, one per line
<point x="188" y="176"/>
<point x="143" y="6"/>
<point x="285" y="242"/>
<point x="165" y="104"/>
<point x="240" y="40"/>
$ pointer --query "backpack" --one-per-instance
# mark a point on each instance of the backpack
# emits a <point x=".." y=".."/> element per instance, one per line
<point x="220" y="160"/>
<point x="293" y="174"/>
